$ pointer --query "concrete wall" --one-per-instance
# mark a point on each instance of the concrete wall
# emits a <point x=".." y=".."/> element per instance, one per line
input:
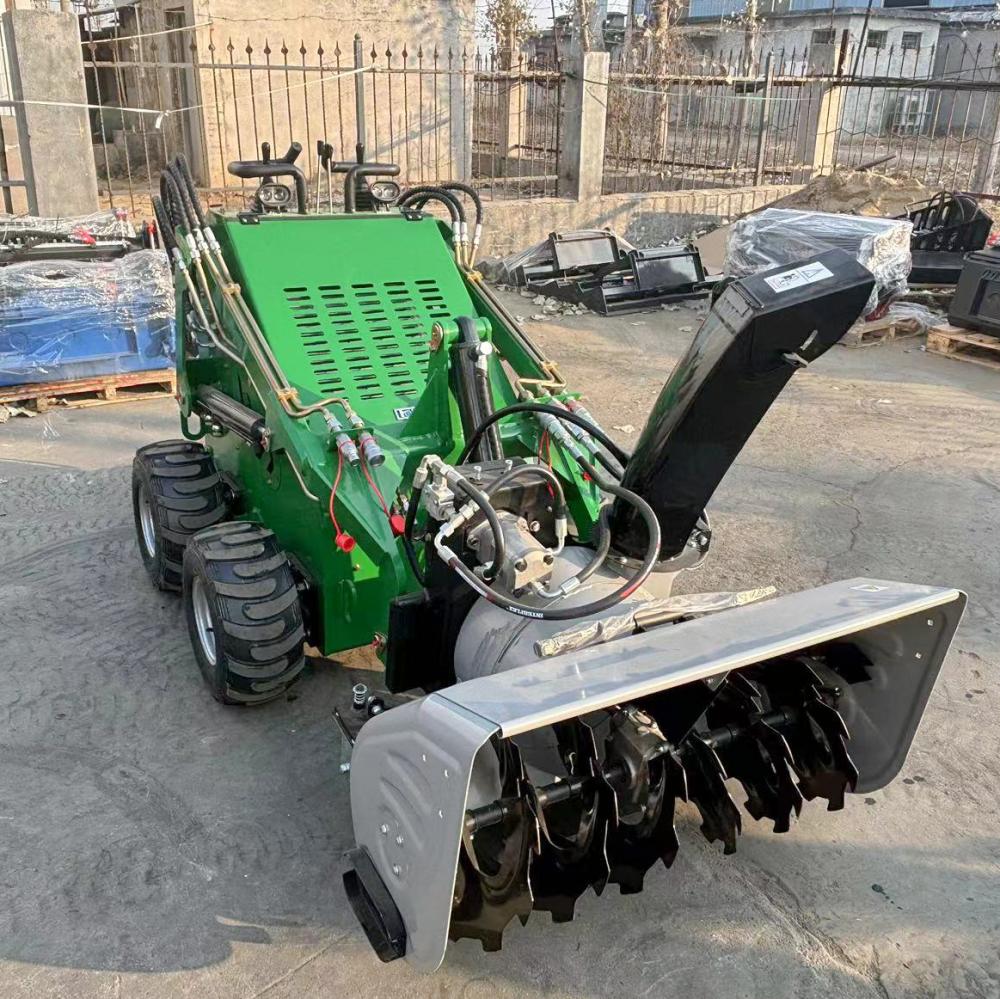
<point x="644" y="219"/>
<point x="43" y="50"/>
<point x="430" y="141"/>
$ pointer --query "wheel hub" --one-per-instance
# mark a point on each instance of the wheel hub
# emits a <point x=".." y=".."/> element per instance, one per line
<point x="203" y="620"/>
<point x="146" y="522"/>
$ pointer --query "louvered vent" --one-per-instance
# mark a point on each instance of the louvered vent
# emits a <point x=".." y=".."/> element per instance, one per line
<point x="367" y="340"/>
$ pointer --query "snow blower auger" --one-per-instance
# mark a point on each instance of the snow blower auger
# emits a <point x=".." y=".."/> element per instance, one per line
<point x="373" y="451"/>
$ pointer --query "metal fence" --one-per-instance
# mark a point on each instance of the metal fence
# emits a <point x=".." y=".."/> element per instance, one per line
<point x="731" y="118"/>
<point x="517" y="126"/>
<point x="438" y="113"/>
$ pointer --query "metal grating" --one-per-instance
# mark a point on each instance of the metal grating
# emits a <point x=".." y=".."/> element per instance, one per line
<point x="368" y="340"/>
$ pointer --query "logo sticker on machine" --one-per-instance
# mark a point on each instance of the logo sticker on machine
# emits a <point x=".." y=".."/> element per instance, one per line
<point x="798" y="276"/>
<point x="403" y="413"/>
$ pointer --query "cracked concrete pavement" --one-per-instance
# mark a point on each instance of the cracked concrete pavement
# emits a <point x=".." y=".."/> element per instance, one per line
<point x="154" y="844"/>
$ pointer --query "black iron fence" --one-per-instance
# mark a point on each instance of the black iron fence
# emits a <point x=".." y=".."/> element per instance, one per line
<point x="739" y="116"/>
<point x="437" y="112"/>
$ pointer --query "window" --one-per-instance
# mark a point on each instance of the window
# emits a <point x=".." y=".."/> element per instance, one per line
<point x="876" y="39"/>
<point x="824" y="36"/>
<point x="911" y="40"/>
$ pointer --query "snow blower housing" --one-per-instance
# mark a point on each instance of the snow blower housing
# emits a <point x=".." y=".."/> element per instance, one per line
<point x="374" y="451"/>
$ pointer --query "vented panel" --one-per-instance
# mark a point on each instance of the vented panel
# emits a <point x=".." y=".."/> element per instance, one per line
<point x="367" y="340"/>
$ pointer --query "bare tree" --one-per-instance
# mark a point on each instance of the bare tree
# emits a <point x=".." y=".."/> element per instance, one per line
<point x="507" y="21"/>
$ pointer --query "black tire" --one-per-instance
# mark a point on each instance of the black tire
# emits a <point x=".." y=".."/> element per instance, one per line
<point x="176" y="492"/>
<point x="240" y="582"/>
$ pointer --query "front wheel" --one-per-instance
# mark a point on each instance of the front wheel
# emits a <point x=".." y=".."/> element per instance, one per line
<point x="243" y="613"/>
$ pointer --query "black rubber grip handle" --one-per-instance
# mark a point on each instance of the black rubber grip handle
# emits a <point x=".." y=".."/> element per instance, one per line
<point x="364" y="170"/>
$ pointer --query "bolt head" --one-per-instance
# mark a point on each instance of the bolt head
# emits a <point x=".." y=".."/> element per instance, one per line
<point x="397" y="870"/>
<point x="399" y="841"/>
<point x="383" y="829"/>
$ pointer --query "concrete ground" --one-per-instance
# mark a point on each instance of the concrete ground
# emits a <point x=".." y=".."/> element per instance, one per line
<point x="154" y="844"/>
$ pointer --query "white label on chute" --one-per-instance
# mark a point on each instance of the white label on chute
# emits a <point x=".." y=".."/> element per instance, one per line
<point x="798" y="276"/>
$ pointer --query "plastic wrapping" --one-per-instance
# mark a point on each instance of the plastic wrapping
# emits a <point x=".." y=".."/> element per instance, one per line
<point x="777" y="236"/>
<point x="112" y="224"/>
<point x="61" y="320"/>
<point x="504" y="270"/>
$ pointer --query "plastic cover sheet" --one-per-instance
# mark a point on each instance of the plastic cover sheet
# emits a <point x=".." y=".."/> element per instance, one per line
<point x="777" y="236"/>
<point x="503" y="270"/>
<point x="111" y="224"/>
<point x="110" y="316"/>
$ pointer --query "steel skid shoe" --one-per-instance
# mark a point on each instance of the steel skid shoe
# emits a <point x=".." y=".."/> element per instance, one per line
<point x="458" y="831"/>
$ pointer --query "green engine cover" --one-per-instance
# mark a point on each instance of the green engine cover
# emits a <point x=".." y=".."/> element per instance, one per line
<point x="363" y="307"/>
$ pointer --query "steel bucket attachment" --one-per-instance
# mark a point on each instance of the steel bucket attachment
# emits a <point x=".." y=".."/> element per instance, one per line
<point x="521" y="790"/>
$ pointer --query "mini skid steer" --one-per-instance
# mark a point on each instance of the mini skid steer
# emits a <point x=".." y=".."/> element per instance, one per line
<point x="374" y="452"/>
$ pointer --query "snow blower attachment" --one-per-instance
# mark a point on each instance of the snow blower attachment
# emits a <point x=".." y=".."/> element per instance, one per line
<point x="374" y="452"/>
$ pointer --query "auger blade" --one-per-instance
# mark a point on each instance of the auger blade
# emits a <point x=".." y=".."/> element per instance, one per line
<point x="784" y="797"/>
<point x="754" y="753"/>
<point x="840" y="774"/>
<point x="574" y="832"/>
<point x="706" y="782"/>
<point x="634" y="847"/>
<point x="492" y="885"/>
<point x="818" y="739"/>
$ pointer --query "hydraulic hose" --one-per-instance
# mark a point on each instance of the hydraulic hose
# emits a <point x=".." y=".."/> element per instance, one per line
<point x="603" y="545"/>
<point x="630" y="585"/>
<point x="426" y="192"/>
<point x="411" y="516"/>
<point x="419" y="196"/>
<point x="166" y="230"/>
<point x="185" y="171"/>
<point x="539" y="407"/>
<point x="477" y="233"/>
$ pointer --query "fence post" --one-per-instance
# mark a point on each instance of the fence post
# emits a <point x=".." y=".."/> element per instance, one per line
<point x="513" y="96"/>
<point x="57" y="154"/>
<point x="818" y="129"/>
<point x="765" y="119"/>
<point x="585" y="98"/>
<point x="986" y="169"/>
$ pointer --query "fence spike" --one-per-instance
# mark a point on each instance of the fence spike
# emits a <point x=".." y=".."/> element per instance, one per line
<point x="248" y="50"/>
<point x="284" y="48"/>
<point x="405" y="53"/>
<point x="319" y="50"/>
<point x="231" y="48"/>
<point x="302" y="48"/>
<point x="267" y="47"/>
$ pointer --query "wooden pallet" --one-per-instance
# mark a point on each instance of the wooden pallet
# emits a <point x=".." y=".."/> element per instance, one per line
<point x="964" y="345"/>
<point x="887" y="328"/>
<point x="97" y="390"/>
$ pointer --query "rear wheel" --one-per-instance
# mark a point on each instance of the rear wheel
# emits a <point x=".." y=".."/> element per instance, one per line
<point x="176" y="491"/>
<point x="243" y="613"/>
